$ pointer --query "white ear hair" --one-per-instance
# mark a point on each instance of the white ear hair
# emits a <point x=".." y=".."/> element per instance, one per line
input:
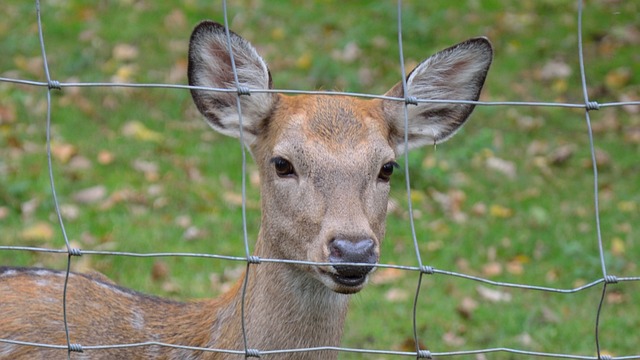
<point x="210" y="66"/>
<point x="456" y="73"/>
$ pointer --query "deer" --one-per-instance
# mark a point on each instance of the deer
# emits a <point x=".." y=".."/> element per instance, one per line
<point x="325" y="163"/>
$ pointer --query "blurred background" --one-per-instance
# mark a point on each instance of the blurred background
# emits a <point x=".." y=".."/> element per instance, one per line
<point x="510" y="198"/>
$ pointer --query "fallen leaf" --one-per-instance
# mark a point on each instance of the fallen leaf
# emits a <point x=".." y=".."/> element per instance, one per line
<point x="627" y="206"/>
<point x="235" y="199"/>
<point x="603" y="160"/>
<point x="105" y="157"/>
<point x="506" y="168"/>
<point x="79" y="162"/>
<point x="396" y="295"/>
<point x="555" y="69"/>
<point x="467" y="307"/>
<point x="305" y="61"/>
<point x="618" y="247"/>
<point x="525" y="339"/>
<point x="171" y="287"/>
<point x="7" y="113"/>
<point x="561" y="154"/>
<point x="90" y="195"/>
<point x="69" y="211"/>
<point x="409" y="345"/>
<point x="159" y="271"/>
<point x="137" y="130"/>
<point x="150" y="169"/>
<point x="193" y="233"/>
<point x="479" y="209"/>
<point x="124" y="74"/>
<point x="630" y="108"/>
<point x="386" y="276"/>
<point x="616" y="297"/>
<point x="501" y="212"/>
<point x="28" y="208"/>
<point x="492" y="269"/>
<point x="63" y="152"/>
<point x="40" y="231"/>
<point x="453" y="339"/>
<point x="125" y="52"/>
<point x="618" y="78"/>
<point x="493" y="295"/>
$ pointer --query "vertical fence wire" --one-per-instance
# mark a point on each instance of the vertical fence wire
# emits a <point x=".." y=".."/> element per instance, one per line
<point x="53" y="85"/>
<point x="240" y="91"/>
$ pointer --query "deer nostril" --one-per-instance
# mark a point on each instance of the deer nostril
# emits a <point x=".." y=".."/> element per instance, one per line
<point x="346" y="251"/>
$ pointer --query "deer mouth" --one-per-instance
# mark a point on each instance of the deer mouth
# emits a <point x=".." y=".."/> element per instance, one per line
<point x="349" y="280"/>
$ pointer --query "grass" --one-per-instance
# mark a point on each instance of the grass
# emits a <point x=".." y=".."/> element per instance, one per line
<point x="161" y="181"/>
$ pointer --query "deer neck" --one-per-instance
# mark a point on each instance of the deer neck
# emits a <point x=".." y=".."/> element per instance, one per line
<point x="284" y="309"/>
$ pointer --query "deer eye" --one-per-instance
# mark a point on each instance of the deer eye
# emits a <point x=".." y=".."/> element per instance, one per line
<point x="283" y="167"/>
<point x="386" y="171"/>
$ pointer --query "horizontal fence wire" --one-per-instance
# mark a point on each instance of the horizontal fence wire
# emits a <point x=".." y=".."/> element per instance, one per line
<point x="589" y="105"/>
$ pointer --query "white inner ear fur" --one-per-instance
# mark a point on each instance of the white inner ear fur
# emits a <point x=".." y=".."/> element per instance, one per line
<point x="456" y="73"/>
<point x="212" y="68"/>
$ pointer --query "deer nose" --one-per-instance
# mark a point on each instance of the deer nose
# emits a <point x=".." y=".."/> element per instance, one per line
<point x="347" y="251"/>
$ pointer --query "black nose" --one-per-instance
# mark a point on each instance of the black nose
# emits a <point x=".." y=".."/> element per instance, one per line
<point x="346" y="251"/>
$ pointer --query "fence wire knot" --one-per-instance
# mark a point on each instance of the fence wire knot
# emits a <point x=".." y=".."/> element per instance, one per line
<point x="54" y="85"/>
<point x="254" y="259"/>
<point x="592" y="105"/>
<point x="243" y="90"/>
<point x="252" y="353"/>
<point x="610" y="279"/>
<point x="75" y="252"/>
<point x="424" y="354"/>
<point x="75" y="348"/>
<point x="605" y="357"/>
<point x="426" y="269"/>
<point x="411" y="100"/>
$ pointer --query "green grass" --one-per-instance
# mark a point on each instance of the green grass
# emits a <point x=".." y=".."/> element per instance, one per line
<point x="536" y="227"/>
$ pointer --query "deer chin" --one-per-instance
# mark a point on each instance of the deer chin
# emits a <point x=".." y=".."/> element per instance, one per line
<point x="342" y="284"/>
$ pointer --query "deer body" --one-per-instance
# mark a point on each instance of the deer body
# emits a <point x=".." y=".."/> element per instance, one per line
<point x="324" y="163"/>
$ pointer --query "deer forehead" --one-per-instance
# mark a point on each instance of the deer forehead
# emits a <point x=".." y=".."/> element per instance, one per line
<point x="330" y="126"/>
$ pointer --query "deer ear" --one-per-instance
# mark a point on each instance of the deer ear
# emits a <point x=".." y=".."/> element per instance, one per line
<point x="456" y="73"/>
<point x="210" y="66"/>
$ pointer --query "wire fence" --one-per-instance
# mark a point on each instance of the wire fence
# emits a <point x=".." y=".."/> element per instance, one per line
<point x="605" y="281"/>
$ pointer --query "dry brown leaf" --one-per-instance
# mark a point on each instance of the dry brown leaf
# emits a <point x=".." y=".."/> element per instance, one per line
<point x="493" y="295"/>
<point x="386" y="276"/>
<point x="105" y="157"/>
<point x="467" y="307"/>
<point x="90" y="195"/>
<point x="125" y="52"/>
<point x="69" y="211"/>
<point x="506" y="168"/>
<point x="41" y="231"/>
<point x="79" y="162"/>
<point x="555" y="69"/>
<point x="171" y="287"/>
<point x="603" y="160"/>
<point x="453" y="339"/>
<point x="492" y="269"/>
<point x="409" y="345"/>
<point x="4" y="212"/>
<point x="396" y="295"/>
<point x="561" y="154"/>
<point x="7" y="113"/>
<point x="63" y="152"/>
<point x="159" y="271"/>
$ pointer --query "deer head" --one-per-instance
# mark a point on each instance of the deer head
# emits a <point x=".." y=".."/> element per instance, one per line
<point x="325" y="162"/>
